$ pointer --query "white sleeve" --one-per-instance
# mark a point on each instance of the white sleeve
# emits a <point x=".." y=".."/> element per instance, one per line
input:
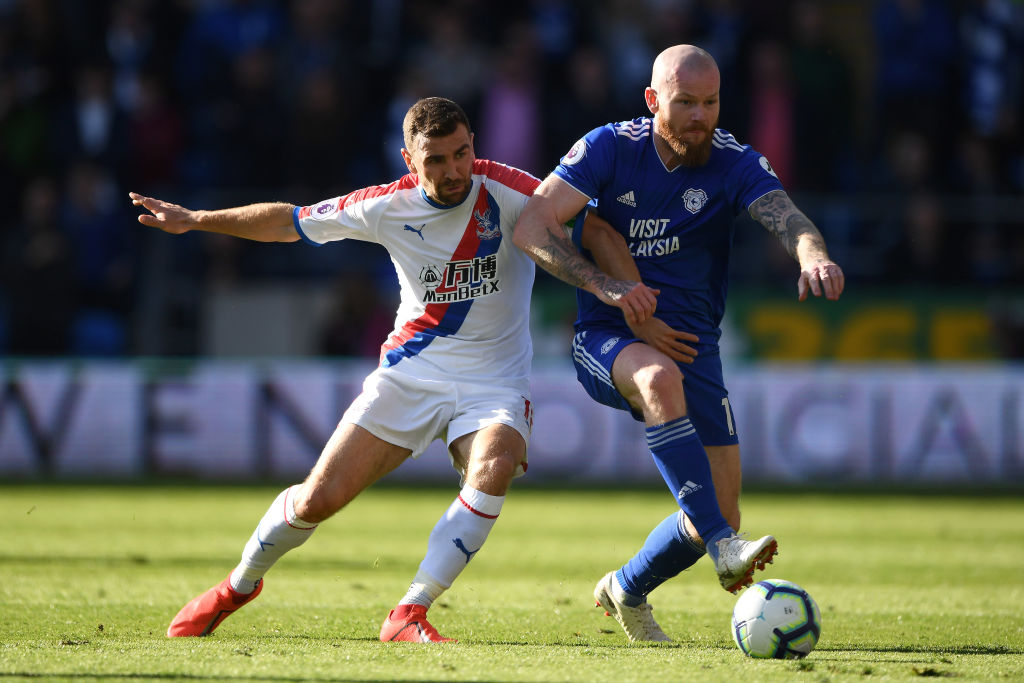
<point x="332" y="220"/>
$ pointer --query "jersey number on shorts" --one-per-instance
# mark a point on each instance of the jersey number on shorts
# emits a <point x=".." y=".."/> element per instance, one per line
<point x="728" y="416"/>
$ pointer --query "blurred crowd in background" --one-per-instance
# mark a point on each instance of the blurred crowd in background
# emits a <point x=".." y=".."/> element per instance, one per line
<point x="895" y="124"/>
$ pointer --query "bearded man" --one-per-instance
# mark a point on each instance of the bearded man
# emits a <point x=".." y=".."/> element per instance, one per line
<point x="672" y="185"/>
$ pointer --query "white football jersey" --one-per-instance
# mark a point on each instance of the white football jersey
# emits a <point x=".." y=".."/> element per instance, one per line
<point x="465" y="287"/>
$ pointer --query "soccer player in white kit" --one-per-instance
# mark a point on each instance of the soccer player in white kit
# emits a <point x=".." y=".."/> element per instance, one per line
<point x="455" y="367"/>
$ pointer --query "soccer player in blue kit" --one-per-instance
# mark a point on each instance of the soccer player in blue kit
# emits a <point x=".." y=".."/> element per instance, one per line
<point x="672" y="185"/>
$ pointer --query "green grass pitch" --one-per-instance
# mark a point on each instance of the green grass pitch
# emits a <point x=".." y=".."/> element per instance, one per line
<point x="909" y="587"/>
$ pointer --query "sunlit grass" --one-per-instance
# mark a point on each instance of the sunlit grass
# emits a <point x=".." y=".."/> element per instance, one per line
<point x="90" y="577"/>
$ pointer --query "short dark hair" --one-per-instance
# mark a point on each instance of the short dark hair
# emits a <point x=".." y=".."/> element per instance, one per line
<point x="433" y="117"/>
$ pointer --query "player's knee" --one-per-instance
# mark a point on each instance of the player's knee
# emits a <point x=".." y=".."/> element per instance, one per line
<point x="504" y="465"/>
<point x="495" y="472"/>
<point x="658" y="382"/>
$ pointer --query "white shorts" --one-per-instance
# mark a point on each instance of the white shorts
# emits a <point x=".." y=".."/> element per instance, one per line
<point x="411" y="412"/>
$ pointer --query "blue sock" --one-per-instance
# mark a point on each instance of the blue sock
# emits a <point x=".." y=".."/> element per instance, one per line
<point x="667" y="551"/>
<point x="679" y="455"/>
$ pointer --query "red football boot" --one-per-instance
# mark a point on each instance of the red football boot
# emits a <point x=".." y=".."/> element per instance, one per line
<point x="205" y="611"/>
<point x="409" y="623"/>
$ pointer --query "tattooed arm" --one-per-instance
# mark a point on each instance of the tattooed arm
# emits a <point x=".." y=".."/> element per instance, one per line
<point x="818" y="273"/>
<point x="611" y="254"/>
<point x="540" y="234"/>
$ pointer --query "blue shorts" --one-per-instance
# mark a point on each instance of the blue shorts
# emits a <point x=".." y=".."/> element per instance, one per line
<point x="707" y="401"/>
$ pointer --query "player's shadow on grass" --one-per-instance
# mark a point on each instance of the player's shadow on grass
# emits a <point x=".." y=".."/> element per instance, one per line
<point x="193" y="677"/>
<point x="164" y="562"/>
<point x="984" y="650"/>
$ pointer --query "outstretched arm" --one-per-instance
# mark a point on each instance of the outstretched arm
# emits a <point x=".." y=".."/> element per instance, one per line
<point x="818" y="273"/>
<point x="539" y="233"/>
<point x="269" y="222"/>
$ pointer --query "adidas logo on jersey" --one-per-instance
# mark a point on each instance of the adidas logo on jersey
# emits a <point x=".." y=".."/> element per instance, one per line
<point x="688" y="488"/>
<point x="628" y="199"/>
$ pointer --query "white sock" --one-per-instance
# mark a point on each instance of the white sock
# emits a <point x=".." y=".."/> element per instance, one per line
<point x="279" y="531"/>
<point x="456" y="538"/>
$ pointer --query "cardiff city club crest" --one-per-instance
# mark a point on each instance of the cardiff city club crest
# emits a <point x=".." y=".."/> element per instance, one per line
<point x="694" y="200"/>
<point x="486" y="229"/>
<point x="609" y="345"/>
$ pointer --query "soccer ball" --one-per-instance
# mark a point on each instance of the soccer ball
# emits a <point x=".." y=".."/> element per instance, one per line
<point x="776" y="619"/>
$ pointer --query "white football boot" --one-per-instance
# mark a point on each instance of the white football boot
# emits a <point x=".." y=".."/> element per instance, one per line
<point x="738" y="558"/>
<point x="637" y="621"/>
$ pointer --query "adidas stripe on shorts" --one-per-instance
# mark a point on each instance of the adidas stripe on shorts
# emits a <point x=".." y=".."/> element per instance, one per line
<point x="707" y="400"/>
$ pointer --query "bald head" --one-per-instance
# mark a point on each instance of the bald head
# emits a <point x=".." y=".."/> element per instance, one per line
<point x="683" y="97"/>
<point x="680" y="62"/>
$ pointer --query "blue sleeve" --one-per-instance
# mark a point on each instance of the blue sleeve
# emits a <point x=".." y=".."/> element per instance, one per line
<point x="588" y="165"/>
<point x="751" y="177"/>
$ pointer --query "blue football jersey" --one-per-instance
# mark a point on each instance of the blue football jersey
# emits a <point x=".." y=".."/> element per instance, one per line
<point x="679" y="223"/>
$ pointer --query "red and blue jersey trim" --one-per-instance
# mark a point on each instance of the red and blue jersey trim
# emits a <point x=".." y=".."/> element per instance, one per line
<point x="439" y="319"/>
<point x="406" y="182"/>
<point x="444" y="319"/>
